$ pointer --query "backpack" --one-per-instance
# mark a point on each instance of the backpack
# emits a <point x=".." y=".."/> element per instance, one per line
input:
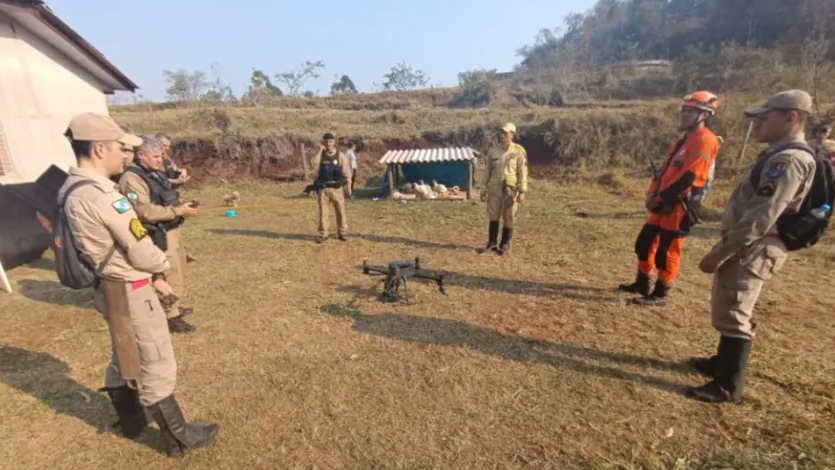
<point x="74" y="268"/>
<point x="803" y="229"/>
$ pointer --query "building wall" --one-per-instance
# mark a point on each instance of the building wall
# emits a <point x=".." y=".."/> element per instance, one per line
<point x="40" y="91"/>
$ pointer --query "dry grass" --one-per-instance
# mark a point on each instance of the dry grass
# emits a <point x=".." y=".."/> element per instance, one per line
<point x="531" y="361"/>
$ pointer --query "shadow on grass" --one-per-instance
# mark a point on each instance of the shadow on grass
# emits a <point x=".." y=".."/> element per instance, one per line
<point x="52" y="292"/>
<point x="361" y="236"/>
<point x="47" y="379"/>
<point x="42" y="263"/>
<point x="511" y="286"/>
<point x="614" y="215"/>
<point x="455" y="333"/>
<point x="706" y="232"/>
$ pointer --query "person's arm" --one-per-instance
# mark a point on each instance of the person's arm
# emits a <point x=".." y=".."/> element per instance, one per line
<point x="128" y="234"/>
<point x="139" y="195"/>
<point x="317" y="160"/>
<point x="522" y="171"/>
<point x="488" y="170"/>
<point x="343" y="161"/>
<point x="776" y="189"/>
<point x="697" y="162"/>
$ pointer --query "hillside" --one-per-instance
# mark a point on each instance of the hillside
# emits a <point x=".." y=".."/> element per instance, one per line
<point x="584" y="99"/>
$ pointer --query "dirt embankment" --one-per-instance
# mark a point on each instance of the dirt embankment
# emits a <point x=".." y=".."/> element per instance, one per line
<point x="553" y="147"/>
<point x="574" y="142"/>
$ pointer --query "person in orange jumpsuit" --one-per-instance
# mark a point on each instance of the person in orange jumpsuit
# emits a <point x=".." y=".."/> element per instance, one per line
<point x="674" y="200"/>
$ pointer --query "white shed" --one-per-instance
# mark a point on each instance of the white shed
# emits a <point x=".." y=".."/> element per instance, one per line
<point x="48" y="74"/>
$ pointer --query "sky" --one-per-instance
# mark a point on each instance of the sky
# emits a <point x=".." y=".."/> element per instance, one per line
<point x="362" y="39"/>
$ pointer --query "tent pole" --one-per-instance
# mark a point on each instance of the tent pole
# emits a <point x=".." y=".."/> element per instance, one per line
<point x="470" y="173"/>
<point x="5" y="280"/>
<point x="391" y="180"/>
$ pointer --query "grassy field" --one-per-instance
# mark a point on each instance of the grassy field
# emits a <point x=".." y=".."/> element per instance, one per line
<point x="532" y="360"/>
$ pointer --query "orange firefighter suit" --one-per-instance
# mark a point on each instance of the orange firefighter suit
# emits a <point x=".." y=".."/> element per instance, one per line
<point x="677" y="190"/>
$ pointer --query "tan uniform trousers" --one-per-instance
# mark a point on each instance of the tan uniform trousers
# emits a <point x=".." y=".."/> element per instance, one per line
<point x="737" y="285"/>
<point x="501" y="204"/>
<point x="332" y="197"/>
<point x="176" y="255"/>
<point x="157" y="365"/>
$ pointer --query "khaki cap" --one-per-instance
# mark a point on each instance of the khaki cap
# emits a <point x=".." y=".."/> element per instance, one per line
<point x="509" y="127"/>
<point x="791" y="99"/>
<point x="98" y="128"/>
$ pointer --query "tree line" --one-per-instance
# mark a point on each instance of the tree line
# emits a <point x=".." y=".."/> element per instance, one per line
<point x="182" y="85"/>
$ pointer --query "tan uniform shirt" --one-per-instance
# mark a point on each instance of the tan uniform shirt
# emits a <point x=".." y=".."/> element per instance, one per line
<point x="343" y="162"/>
<point x="137" y="191"/>
<point x="99" y="217"/>
<point x="752" y="213"/>
<point x="509" y="165"/>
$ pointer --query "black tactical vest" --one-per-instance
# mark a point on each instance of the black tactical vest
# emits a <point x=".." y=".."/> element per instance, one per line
<point x="331" y="174"/>
<point x="162" y="194"/>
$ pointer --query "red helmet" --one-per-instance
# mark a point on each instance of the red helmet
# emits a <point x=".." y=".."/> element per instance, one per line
<point x="704" y="100"/>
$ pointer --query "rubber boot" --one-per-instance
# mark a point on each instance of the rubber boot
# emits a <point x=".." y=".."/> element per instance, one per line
<point x="658" y="297"/>
<point x="176" y="435"/>
<point x="132" y="417"/>
<point x="507" y="234"/>
<point x="180" y="325"/>
<point x="493" y="233"/>
<point x="708" y="366"/>
<point x="640" y="286"/>
<point x="730" y="378"/>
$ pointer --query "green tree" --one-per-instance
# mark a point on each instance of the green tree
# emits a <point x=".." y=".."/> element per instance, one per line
<point x="478" y="88"/>
<point x="184" y="86"/>
<point x="343" y="85"/>
<point x="294" y="80"/>
<point x="402" y="77"/>
<point x="260" y="88"/>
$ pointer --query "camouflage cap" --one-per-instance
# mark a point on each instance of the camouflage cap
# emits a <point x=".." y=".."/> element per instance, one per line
<point x="792" y="99"/>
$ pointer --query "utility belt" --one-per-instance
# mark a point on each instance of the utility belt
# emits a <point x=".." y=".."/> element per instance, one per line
<point x="159" y="231"/>
<point x="317" y="185"/>
<point x="509" y="189"/>
<point x="692" y="204"/>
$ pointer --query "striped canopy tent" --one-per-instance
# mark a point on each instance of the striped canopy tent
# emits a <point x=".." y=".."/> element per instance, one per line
<point x="448" y="166"/>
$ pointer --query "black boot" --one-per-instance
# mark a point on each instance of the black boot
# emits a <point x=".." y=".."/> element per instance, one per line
<point x="180" y="325"/>
<point x="507" y="234"/>
<point x="132" y="418"/>
<point x="176" y="435"/>
<point x="658" y="297"/>
<point x="492" y="241"/>
<point x="640" y="286"/>
<point x="708" y="366"/>
<point x="729" y="382"/>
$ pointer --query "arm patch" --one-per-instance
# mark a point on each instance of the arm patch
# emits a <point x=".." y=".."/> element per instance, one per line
<point x="122" y="206"/>
<point x="777" y="168"/>
<point x="137" y="229"/>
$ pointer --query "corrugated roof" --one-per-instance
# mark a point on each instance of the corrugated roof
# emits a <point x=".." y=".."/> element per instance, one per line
<point x="429" y="155"/>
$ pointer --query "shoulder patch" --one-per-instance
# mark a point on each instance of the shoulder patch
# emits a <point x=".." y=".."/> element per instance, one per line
<point x="777" y="167"/>
<point x="767" y="189"/>
<point x="136" y="228"/>
<point x="132" y="196"/>
<point x="121" y="206"/>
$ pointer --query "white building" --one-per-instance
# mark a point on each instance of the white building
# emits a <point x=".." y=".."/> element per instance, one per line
<point x="48" y="74"/>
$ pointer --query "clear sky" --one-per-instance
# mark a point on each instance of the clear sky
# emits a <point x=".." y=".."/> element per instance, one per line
<point x="362" y="39"/>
